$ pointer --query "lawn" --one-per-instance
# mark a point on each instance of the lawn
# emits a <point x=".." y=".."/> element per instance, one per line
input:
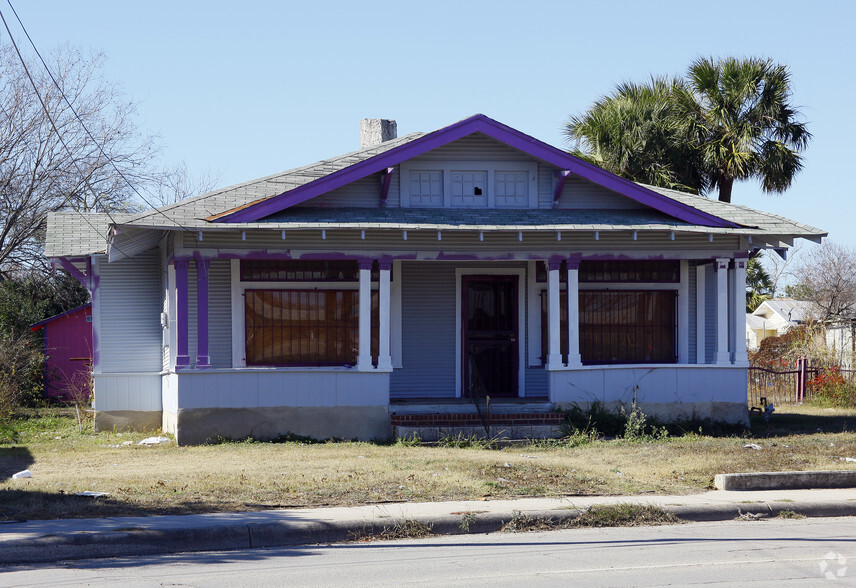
<point x="166" y="479"/>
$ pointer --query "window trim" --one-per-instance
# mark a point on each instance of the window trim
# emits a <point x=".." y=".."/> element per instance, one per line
<point x="450" y="166"/>
<point x="239" y="343"/>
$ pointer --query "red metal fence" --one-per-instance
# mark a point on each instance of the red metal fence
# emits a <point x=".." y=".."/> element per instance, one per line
<point x="790" y="383"/>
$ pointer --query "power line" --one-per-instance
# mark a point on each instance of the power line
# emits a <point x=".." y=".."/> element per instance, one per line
<point x="77" y="116"/>
<point x="59" y="135"/>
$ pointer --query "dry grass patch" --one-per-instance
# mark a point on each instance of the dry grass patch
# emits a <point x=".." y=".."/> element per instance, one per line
<point x="167" y="479"/>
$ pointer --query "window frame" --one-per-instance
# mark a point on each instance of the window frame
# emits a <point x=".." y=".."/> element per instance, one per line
<point x="538" y="288"/>
<point x="239" y="287"/>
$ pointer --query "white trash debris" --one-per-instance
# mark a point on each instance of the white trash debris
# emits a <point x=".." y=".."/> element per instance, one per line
<point x="754" y="446"/>
<point x="126" y="443"/>
<point x="91" y="493"/>
<point x="154" y="441"/>
<point x="847" y="458"/>
<point x="24" y="474"/>
<point x="529" y="456"/>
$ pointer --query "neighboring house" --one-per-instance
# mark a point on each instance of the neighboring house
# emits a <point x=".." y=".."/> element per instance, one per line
<point x="841" y="341"/>
<point x="67" y="345"/>
<point x="393" y="285"/>
<point x="774" y="317"/>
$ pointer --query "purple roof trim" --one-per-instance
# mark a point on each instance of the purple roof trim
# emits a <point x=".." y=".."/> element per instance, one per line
<point x="478" y="123"/>
<point x="40" y="324"/>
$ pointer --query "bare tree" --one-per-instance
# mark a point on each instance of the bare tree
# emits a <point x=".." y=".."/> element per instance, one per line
<point x="826" y="275"/>
<point x="176" y="183"/>
<point x="53" y="159"/>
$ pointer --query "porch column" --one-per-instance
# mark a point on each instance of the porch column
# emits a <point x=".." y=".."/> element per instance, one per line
<point x="574" y="313"/>
<point x="701" y="340"/>
<point x="203" y="360"/>
<point x="182" y="358"/>
<point x="364" y="353"/>
<point x="384" y="360"/>
<point x="554" y="356"/>
<point x="738" y="302"/>
<point x="722" y="355"/>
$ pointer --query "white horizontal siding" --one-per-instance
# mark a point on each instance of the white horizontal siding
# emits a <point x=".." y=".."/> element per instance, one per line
<point x="130" y="338"/>
<point x="134" y="392"/>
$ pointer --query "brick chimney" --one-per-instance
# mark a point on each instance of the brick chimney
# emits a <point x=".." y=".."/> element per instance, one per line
<point x="374" y="131"/>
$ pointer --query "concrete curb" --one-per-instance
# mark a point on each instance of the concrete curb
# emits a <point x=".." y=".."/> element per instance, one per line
<point x="786" y="480"/>
<point x="134" y="542"/>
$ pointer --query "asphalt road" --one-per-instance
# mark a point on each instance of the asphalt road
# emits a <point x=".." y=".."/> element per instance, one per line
<point x="803" y="552"/>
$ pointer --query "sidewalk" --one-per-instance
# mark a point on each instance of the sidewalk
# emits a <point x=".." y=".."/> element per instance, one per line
<point x="45" y="541"/>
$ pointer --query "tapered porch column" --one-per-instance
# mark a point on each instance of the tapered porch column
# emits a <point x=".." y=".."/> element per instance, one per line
<point x="574" y="313"/>
<point x="554" y="355"/>
<point x="203" y="360"/>
<point x="738" y="302"/>
<point x="384" y="360"/>
<point x="182" y="357"/>
<point x="722" y="356"/>
<point x="364" y="353"/>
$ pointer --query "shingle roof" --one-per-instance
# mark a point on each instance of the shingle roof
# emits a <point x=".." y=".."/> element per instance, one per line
<point x="192" y="212"/>
<point x="73" y="234"/>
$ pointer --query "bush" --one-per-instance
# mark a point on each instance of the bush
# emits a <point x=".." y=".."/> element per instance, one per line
<point x="830" y="387"/>
<point x="21" y="373"/>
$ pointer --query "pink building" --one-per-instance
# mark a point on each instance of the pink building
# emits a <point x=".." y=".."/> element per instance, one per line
<point x="68" y="350"/>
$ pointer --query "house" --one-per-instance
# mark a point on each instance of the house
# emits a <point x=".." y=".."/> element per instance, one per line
<point x="775" y="317"/>
<point x="67" y="345"/>
<point x="402" y="284"/>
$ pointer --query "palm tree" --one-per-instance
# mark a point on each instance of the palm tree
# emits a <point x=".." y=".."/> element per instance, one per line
<point x="759" y="284"/>
<point x="635" y="133"/>
<point x="728" y="120"/>
<point x="742" y="123"/>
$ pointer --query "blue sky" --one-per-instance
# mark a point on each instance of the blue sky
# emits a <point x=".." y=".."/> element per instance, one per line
<point x="253" y="88"/>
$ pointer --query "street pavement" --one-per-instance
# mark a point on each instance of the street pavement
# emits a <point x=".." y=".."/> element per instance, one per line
<point x="47" y="541"/>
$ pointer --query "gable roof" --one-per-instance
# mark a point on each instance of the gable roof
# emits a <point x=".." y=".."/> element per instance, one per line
<point x="478" y="123"/>
<point x="74" y="234"/>
<point x="40" y="324"/>
<point x="794" y="311"/>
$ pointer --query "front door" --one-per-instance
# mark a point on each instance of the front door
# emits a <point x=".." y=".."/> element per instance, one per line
<point x="490" y="333"/>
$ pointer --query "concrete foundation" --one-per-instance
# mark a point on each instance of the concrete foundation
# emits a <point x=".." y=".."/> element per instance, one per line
<point x="726" y="412"/>
<point x="205" y="425"/>
<point x="127" y="420"/>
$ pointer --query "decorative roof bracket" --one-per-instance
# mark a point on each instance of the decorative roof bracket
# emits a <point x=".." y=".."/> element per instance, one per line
<point x="560" y="185"/>
<point x="384" y="189"/>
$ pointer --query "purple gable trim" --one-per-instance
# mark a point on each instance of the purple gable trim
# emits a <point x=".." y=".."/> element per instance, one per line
<point x="496" y="130"/>
<point x="75" y="273"/>
<point x="384" y="189"/>
<point x="40" y="324"/>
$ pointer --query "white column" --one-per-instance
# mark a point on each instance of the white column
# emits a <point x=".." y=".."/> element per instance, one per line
<point x="554" y="356"/>
<point x="738" y="274"/>
<point x="574" y="314"/>
<point x="701" y="325"/>
<point x="364" y="355"/>
<point x="384" y="360"/>
<point x="722" y="355"/>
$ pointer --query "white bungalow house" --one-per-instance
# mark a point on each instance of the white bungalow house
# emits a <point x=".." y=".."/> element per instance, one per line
<point x="403" y="283"/>
<point x="775" y="317"/>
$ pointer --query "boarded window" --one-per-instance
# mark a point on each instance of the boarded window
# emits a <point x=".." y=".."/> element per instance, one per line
<point x="469" y="189"/>
<point x="632" y="326"/>
<point x="305" y="327"/>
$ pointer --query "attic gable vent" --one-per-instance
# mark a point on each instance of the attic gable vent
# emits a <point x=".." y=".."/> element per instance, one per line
<point x="374" y="131"/>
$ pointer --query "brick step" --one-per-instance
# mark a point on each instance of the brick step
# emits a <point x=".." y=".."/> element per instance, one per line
<point x="473" y="420"/>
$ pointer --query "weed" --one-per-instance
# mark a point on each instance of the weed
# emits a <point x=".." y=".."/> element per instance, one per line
<point x="403" y="529"/>
<point x="624" y="515"/>
<point x="467" y="519"/>
<point x="789" y="514"/>
<point x="574" y="439"/>
<point x="521" y="522"/>
<point x="461" y="441"/>
<point x="637" y="429"/>
<point x="411" y="440"/>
